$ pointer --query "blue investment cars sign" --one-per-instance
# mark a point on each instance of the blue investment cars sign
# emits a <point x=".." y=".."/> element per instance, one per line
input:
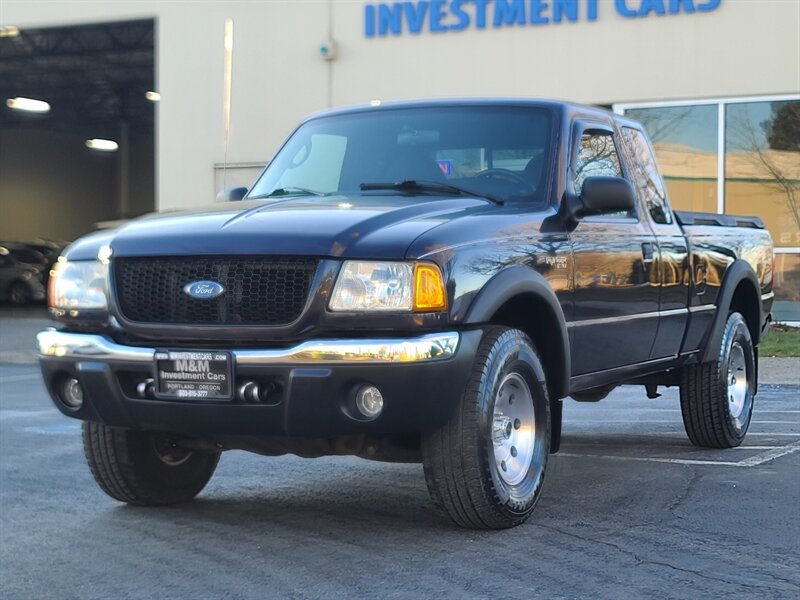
<point x="440" y="16"/>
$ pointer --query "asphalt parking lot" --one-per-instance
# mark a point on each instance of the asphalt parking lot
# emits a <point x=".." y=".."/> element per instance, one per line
<point x="630" y="509"/>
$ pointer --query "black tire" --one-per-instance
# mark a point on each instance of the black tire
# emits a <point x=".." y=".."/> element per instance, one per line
<point x="141" y="468"/>
<point x="460" y="463"/>
<point x="19" y="293"/>
<point x="710" y="417"/>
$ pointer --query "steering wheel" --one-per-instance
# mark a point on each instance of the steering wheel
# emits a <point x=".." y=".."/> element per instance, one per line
<point x="505" y="174"/>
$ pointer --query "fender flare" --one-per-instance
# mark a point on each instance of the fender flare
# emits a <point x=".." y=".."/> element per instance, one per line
<point x="514" y="281"/>
<point x="737" y="272"/>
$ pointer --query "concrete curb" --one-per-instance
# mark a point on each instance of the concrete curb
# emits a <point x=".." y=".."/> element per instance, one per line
<point x="779" y="371"/>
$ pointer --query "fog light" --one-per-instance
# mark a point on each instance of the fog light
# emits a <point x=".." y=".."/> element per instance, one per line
<point x="72" y="393"/>
<point x="146" y="388"/>
<point x="369" y="401"/>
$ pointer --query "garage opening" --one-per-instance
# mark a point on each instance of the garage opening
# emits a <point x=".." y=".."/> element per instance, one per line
<point x="77" y="112"/>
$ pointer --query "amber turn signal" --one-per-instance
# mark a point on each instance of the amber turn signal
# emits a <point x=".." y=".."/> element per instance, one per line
<point x="429" y="294"/>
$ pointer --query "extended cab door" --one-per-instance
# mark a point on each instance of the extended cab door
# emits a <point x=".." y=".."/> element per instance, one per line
<point x="672" y="258"/>
<point x="616" y="278"/>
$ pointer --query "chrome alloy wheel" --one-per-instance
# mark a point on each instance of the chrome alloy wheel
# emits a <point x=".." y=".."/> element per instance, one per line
<point x="513" y="429"/>
<point x="738" y="383"/>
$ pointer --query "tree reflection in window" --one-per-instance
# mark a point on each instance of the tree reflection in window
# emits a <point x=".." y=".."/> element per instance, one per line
<point x="762" y="165"/>
<point x="597" y="157"/>
<point x="646" y="177"/>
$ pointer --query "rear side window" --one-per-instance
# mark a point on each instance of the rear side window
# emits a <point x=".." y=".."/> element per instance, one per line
<point x="645" y="175"/>
<point x="597" y="157"/>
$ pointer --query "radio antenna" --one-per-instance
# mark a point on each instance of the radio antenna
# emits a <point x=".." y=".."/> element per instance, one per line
<point x="226" y="98"/>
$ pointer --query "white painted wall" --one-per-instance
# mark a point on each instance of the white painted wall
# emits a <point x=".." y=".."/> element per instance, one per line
<point x="745" y="47"/>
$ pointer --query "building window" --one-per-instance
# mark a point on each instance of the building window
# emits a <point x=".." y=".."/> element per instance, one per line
<point x="735" y="156"/>
<point x="685" y="139"/>
<point x="762" y="166"/>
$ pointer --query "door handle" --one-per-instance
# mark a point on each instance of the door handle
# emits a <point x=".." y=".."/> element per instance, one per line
<point x="647" y="253"/>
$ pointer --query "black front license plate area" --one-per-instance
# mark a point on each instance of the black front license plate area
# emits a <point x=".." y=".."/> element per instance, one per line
<point x="193" y="375"/>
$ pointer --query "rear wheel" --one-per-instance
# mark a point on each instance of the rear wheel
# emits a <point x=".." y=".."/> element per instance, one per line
<point x="145" y="468"/>
<point x="485" y="468"/>
<point x="717" y="397"/>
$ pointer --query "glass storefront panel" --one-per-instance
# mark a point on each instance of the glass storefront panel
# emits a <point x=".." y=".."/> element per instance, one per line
<point x="787" y="287"/>
<point x="685" y="141"/>
<point x="762" y="166"/>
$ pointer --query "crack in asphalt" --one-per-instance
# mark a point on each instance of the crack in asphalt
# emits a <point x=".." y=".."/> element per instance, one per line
<point x="684" y="495"/>
<point x="641" y="561"/>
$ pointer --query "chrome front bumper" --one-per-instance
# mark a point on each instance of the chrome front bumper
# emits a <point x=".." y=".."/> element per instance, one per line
<point x="432" y="347"/>
<point x="422" y="379"/>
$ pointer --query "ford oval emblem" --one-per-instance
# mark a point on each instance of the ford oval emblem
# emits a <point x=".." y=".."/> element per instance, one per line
<point x="203" y="290"/>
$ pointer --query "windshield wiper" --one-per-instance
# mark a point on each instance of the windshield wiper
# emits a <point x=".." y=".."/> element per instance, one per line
<point x="417" y="185"/>
<point x="287" y="191"/>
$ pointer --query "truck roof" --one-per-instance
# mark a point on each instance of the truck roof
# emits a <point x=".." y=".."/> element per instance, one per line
<point x="559" y="106"/>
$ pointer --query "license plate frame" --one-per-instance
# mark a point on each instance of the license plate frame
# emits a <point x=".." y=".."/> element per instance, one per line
<point x="202" y="375"/>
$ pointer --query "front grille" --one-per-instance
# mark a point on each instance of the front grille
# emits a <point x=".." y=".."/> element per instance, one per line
<point x="258" y="290"/>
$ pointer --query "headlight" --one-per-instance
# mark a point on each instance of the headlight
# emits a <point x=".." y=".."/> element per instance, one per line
<point x="79" y="285"/>
<point x="388" y="287"/>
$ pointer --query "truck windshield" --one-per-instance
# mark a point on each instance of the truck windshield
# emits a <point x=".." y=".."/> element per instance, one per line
<point x="495" y="151"/>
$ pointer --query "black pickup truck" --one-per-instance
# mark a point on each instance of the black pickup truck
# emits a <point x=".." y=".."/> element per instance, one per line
<point x="421" y="281"/>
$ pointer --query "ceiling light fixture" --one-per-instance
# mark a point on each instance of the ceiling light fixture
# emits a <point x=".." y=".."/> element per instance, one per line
<point x="102" y="145"/>
<point x="9" y="31"/>
<point x="152" y="96"/>
<point x="28" y="105"/>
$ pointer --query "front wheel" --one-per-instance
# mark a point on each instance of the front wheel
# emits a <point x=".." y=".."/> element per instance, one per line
<point x="145" y="468"/>
<point x="717" y="397"/>
<point x="485" y="467"/>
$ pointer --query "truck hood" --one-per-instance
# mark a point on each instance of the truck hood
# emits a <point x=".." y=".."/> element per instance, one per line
<point x="376" y="226"/>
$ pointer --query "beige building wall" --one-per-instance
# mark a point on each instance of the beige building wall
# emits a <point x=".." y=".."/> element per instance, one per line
<point x="744" y="47"/>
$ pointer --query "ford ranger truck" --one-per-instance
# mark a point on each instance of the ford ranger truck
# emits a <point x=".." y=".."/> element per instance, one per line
<point x="420" y="282"/>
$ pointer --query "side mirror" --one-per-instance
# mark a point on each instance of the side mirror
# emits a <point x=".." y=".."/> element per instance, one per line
<point x="602" y="195"/>
<point x="232" y="194"/>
